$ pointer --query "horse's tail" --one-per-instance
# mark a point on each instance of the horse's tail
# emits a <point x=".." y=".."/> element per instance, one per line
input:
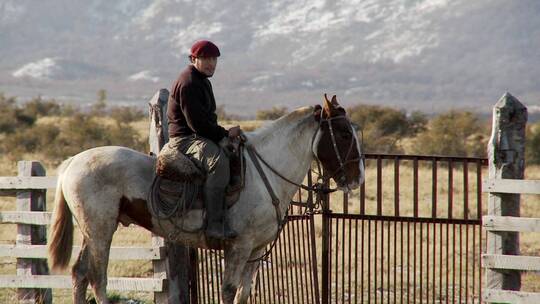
<point x="61" y="237"/>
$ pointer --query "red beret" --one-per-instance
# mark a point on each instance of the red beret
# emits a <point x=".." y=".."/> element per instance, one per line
<point x="204" y="48"/>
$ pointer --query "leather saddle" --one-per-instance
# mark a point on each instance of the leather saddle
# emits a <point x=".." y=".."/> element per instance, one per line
<point x="178" y="175"/>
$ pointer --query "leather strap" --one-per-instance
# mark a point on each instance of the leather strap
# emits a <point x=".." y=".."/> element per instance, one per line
<point x="275" y="200"/>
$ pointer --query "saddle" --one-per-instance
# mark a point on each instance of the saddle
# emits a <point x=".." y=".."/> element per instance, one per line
<point x="179" y="180"/>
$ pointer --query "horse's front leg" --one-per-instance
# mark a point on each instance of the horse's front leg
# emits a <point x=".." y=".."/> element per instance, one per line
<point x="248" y="277"/>
<point x="235" y="262"/>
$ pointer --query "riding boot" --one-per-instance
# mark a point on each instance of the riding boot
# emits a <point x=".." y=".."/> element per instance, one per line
<point x="235" y="182"/>
<point x="216" y="226"/>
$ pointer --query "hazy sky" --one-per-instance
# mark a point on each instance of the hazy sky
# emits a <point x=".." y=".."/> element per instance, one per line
<point x="430" y="55"/>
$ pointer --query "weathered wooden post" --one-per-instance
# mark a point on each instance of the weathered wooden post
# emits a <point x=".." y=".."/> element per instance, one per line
<point x="506" y="161"/>
<point x="32" y="200"/>
<point x="177" y="267"/>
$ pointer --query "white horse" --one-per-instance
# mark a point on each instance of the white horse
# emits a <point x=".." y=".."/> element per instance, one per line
<point x="103" y="186"/>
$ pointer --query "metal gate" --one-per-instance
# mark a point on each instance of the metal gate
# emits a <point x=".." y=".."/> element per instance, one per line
<point x="411" y="234"/>
<point x="415" y="236"/>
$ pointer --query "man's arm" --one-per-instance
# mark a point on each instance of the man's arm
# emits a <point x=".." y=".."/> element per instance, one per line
<point x="198" y="118"/>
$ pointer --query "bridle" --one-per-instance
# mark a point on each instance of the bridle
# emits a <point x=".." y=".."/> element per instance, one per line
<point x="342" y="164"/>
<point x="320" y="187"/>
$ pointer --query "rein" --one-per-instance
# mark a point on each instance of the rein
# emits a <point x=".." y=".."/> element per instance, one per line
<point x="319" y="188"/>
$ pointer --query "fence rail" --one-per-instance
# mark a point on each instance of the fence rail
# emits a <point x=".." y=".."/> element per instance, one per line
<point x="512" y="186"/>
<point x="515" y="262"/>
<point x="25" y="217"/>
<point x="10" y="184"/>
<point x="508" y="296"/>
<point x="33" y="281"/>
<point x="511" y="223"/>
<point x="64" y="282"/>
<point x="116" y="253"/>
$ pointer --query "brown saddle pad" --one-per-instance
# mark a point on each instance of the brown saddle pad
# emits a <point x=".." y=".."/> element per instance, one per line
<point x="175" y="166"/>
<point x="179" y="181"/>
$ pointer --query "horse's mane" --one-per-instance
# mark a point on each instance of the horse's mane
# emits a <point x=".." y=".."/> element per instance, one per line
<point x="288" y="121"/>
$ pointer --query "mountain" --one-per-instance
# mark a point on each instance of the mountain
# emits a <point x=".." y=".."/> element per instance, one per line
<point x="420" y="54"/>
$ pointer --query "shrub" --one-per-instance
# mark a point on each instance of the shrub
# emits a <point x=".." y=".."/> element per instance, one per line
<point x="83" y="132"/>
<point x="37" y="107"/>
<point x="12" y="118"/>
<point x="223" y="115"/>
<point x="8" y="119"/>
<point x="125" y="114"/>
<point x="532" y="146"/>
<point x="272" y="114"/>
<point x="61" y="138"/>
<point x="78" y="133"/>
<point x="455" y="133"/>
<point x="384" y="128"/>
<point x="28" y="140"/>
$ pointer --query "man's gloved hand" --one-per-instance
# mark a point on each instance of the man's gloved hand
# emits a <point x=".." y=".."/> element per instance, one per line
<point x="234" y="132"/>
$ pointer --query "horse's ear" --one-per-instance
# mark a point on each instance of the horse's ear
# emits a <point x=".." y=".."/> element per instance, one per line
<point x="334" y="101"/>
<point x="327" y="106"/>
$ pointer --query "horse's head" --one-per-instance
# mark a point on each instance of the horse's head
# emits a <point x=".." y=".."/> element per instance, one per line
<point x="338" y="148"/>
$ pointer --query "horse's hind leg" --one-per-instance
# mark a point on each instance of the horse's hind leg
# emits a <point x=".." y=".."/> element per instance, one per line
<point x="88" y="269"/>
<point x="79" y="274"/>
<point x="99" y="260"/>
<point x="98" y="243"/>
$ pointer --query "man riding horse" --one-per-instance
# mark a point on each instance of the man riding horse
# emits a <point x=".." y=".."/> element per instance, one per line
<point x="104" y="186"/>
<point x="194" y="131"/>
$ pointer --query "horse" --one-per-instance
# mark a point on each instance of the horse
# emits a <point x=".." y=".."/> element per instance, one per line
<point x="104" y="186"/>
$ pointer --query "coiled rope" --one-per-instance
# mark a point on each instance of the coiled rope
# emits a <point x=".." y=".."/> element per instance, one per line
<point x="171" y="210"/>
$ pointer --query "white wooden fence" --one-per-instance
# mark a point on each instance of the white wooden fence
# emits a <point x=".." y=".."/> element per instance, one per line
<point x="503" y="223"/>
<point x="32" y="279"/>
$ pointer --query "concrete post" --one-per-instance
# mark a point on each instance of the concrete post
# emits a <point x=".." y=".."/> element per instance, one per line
<point x="506" y="161"/>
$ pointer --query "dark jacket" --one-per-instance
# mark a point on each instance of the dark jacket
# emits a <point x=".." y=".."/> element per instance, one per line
<point x="192" y="108"/>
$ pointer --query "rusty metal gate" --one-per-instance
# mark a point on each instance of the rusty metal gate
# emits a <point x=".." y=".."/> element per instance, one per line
<point x="411" y="234"/>
<point x="414" y="238"/>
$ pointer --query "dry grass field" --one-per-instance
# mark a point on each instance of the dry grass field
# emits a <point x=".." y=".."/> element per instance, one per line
<point x="131" y="236"/>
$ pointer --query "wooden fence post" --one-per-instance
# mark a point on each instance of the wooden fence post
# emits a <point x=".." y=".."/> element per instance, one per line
<point x="177" y="266"/>
<point x="506" y="161"/>
<point x="32" y="200"/>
